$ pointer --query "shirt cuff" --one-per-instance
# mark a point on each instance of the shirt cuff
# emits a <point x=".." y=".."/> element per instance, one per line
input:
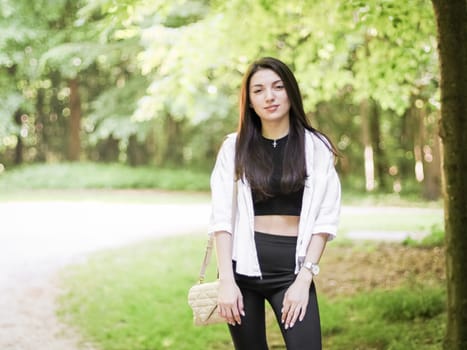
<point x="222" y="226"/>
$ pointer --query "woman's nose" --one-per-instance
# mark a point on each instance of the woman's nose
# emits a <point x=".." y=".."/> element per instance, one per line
<point x="269" y="94"/>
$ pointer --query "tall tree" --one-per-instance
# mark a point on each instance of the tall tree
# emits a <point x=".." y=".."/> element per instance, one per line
<point x="16" y="59"/>
<point x="451" y="20"/>
<point x="74" y="147"/>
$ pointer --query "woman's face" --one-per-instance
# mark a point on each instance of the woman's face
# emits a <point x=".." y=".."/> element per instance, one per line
<point x="268" y="96"/>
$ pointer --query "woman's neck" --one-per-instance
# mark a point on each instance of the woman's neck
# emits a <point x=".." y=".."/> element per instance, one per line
<point x="274" y="131"/>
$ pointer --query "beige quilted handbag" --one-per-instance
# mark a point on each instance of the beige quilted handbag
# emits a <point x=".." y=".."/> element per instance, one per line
<point x="202" y="297"/>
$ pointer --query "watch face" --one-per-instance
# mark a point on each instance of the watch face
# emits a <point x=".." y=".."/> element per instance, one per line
<point x="314" y="268"/>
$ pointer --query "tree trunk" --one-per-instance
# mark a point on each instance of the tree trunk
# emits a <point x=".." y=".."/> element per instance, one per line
<point x="173" y="154"/>
<point x="368" y="148"/>
<point x="74" y="146"/>
<point x="108" y="150"/>
<point x="418" y="116"/>
<point x="406" y="144"/>
<point x="40" y="122"/>
<point x="432" y="158"/>
<point x="19" y="145"/>
<point x="379" y="160"/>
<point x="451" y="18"/>
<point x="137" y="152"/>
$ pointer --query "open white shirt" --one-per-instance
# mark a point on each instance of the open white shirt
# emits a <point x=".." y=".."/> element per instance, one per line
<point x="320" y="204"/>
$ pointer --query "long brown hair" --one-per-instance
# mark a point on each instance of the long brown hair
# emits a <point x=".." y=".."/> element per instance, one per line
<point x="251" y="159"/>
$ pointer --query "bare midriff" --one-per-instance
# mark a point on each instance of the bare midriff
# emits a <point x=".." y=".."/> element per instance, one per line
<point x="284" y="225"/>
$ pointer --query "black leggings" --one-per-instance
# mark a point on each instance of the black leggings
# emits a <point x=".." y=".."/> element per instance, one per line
<point x="276" y="255"/>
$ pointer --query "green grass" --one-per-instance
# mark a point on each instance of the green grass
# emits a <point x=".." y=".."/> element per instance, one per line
<point x="101" y="176"/>
<point x="378" y="199"/>
<point x="135" y="299"/>
<point x="103" y="182"/>
<point x="412" y="317"/>
<point x="405" y="219"/>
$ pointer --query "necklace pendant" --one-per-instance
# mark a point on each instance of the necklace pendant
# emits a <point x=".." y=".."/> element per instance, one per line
<point x="274" y="144"/>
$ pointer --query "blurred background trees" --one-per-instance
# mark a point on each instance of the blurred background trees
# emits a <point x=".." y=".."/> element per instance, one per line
<point x="156" y="82"/>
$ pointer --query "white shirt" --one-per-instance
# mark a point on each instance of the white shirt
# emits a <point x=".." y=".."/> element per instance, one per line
<point x="320" y="204"/>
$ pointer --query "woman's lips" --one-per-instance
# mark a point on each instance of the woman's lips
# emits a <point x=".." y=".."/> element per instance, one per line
<point x="271" y="108"/>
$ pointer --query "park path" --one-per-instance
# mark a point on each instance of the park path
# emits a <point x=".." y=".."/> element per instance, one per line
<point x="38" y="238"/>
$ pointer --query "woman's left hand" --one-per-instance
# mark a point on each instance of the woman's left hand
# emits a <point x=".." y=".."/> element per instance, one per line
<point x="296" y="299"/>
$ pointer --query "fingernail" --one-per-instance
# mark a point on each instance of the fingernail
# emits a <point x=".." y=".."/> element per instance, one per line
<point x="242" y="313"/>
<point x="291" y="325"/>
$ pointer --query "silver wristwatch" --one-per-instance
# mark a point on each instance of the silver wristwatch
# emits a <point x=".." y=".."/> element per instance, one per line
<point x="312" y="267"/>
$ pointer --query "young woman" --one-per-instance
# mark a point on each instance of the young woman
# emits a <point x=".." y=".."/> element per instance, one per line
<point x="275" y="204"/>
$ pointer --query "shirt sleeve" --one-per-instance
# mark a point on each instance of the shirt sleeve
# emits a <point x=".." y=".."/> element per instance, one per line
<point x="327" y="219"/>
<point x="222" y="182"/>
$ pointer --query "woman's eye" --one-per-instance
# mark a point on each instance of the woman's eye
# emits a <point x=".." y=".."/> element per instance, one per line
<point x="279" y="87"/>
<point x="256" y="91"/>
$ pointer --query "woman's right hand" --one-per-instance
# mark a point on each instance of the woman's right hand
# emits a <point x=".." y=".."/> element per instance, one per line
<point x="230" y="302"/>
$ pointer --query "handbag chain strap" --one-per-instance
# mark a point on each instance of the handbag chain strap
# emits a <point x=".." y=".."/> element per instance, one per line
<point x="207" y="258"/>
<point x="209" y="245"/>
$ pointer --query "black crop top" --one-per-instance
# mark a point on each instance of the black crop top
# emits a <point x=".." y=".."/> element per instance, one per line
<point x="279" y="203"/>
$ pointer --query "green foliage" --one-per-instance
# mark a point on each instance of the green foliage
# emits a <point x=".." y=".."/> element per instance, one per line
<point x="72" y="58"/>
<point x="402" y="61"/>
<point x="168" y="72"/>
<point x="103" y="176"/>
<point x="111" y="113"/>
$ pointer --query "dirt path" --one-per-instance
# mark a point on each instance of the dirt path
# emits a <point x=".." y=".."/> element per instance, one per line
<point x="37" y="239"/>
<point x="28" y="320"/>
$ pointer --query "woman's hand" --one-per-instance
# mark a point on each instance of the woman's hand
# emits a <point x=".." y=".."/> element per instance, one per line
<point x="296" y="299"/>
<point x="230" y="302"/>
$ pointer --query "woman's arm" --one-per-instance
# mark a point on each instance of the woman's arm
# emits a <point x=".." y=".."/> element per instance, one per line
<point x="296" y="297"/>
<point x="224" y="255"/>
<point x="230" y="300"/>
<point x="314" y="253"/>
